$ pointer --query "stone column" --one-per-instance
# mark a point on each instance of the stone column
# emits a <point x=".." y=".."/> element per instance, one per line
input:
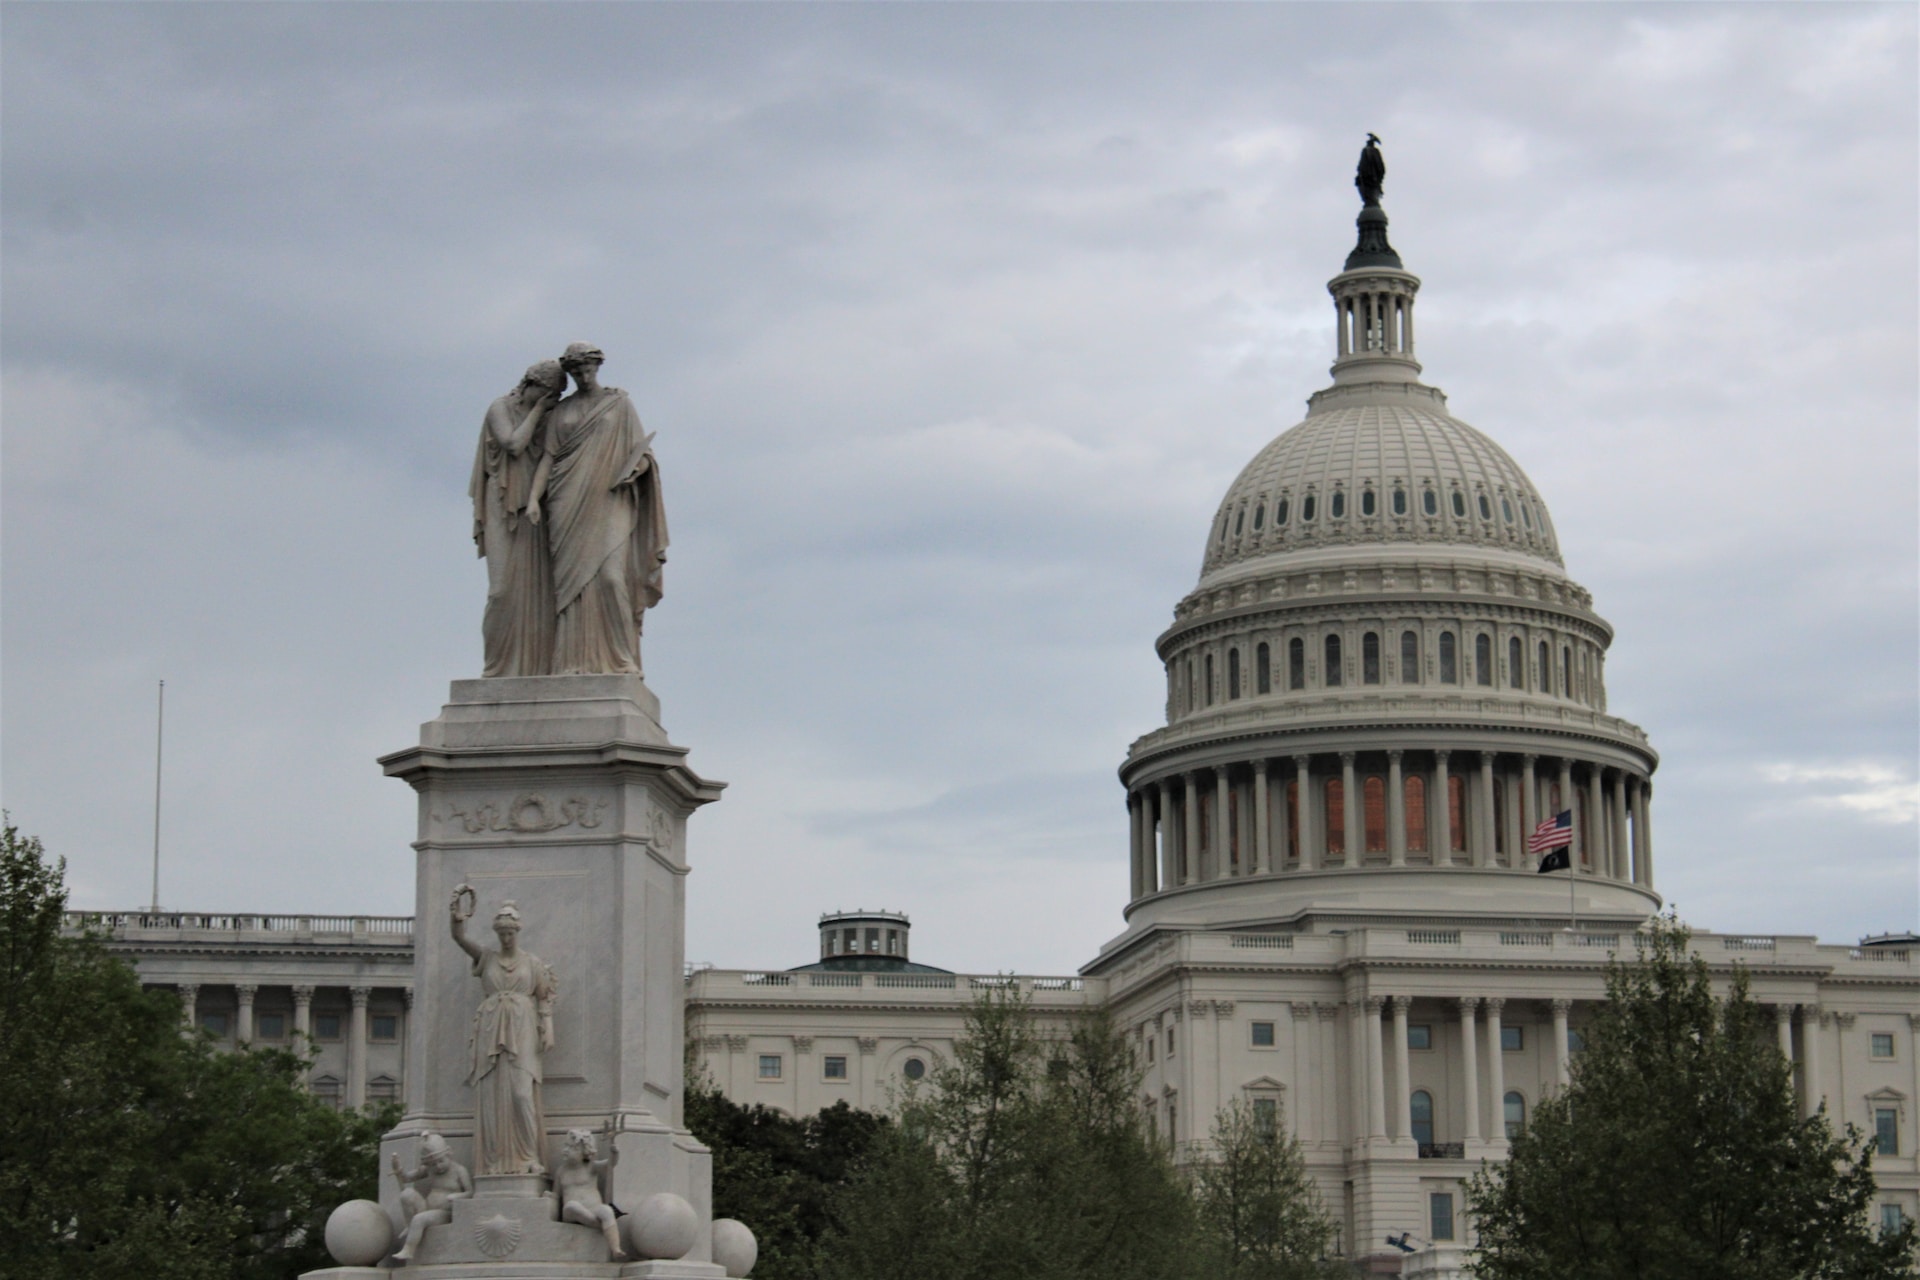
<point x="1396" y="812"/>
<point x="1811" y="1016"/>
<point x="1529" y="806"/>
<point x="1350" y="812"/>
<point x="1440" y="812"/>
<point x="1262" y="818"/>
<point x="1376" y="1072"/>
<point x="1328" y="1073"/>
<point x="1222" y="825"/>
<point x="357" y="1047"/>
<point x="1355" y="1070"/>
<point x="243" y="1024"/>
<point x="1597" y="824"/>
<point x="1484" y="820"/>
<point x="1469" y="1069"/>
<point x="1190" y="837"/>
<point x="1169" y="838"/>
<point x="1562" y="1064"/>
<point x="303" y="1011"/>
<point x="1646" y="815"/>
<point x="1783" y="1028"/>
<point x="1303" y="781"/>
<point x="1306" y="1117"/>
<point x="189" y="1004"/>
<point x="1637" y="797"/>
<point x="1622" y="856"/>
<point x="1566" y="803"/>
<point x="1403" y="1098"/>
<point x="1135" y="844"/>
<point x="1496" y="1075"/>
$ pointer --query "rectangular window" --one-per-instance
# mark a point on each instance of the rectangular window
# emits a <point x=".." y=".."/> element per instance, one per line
<point x="1892" y="1218"/>
<point x="1263" y="1035"/>
<point x="214" y="1022"/>
<point x="1883" y="1048"/>
<point x="834" y="1067"/>
<point x="383" y="1089"/>
<point x="1886" y="1131"/>
<point x="1512" y="1039"/>
<point x="1576" y="1041"/>
<point x="1169" y="1042"/>
<point x="1440" y="1215"/>
<point x="326" y="1026"/>
<point x="386" y="1026"/>
<point x="769" y="1066"/>
<point x="1266" y="1116"/>
<point x="1151" y="1042"/>
<point x="271" y="1026"/>
<point x="1419" y="1036"/>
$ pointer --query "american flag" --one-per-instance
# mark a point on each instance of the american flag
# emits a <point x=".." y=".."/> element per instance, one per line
<point x="1555" y="833"/>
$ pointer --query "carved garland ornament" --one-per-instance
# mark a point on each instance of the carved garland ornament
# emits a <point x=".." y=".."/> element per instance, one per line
<point x="528" y="813"/>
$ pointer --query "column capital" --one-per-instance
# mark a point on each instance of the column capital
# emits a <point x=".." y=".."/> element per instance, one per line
<point x="868" y="1044"/>
<point x="1376" y="1003"/>
<point x="1468" y="1004"/>
<point x="360" y="996"/>
<point x="803" y="1044"/>
<point x="1913" y="1020"/>
<point x="1440" y="755"/>
<point x="1326" y="1012"/>
<point x="1302" y="763"/>
<point x="189" y="991"/>
<point x="1494" y="1005"/>
<point x="713" y="1042"/>
<point x="1561" y="1005"/>
<point x="1260" y="766"/>
<point x="1303" y="1009"/>
<point x="1486" y="759"/>
<point x="406" y="994"/>
<point x="1199" y="1008"/>
<point x="736" y="1043"/>
<point x="1845" y="1019"/>
<point x="246" y="991"/>
<point x="1401" y="1003"/>
<point x="303" y="994"/>
<point x="1529" y="758"/>
<point x="1223" y="1008"/>
<point x="1396" y="755"/>
<point x="1347" y="757"/>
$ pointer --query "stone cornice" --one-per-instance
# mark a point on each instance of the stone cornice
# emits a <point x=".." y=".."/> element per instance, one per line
<point x="1309" y="610"/>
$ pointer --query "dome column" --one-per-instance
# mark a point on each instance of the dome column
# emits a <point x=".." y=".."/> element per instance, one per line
<point x="1396" y="815"/>
<point x="1190" y="837"/>
<point x="1262" y="818"/>
<point x="1356" y="839"/>
<point x="1222" y="841"/>
<point x="1403" y="1095"/>
<point x="1469" y="1068"/>
<point x="1169" y="839"/>
<point x="1496" y="1130"/>
<point x="1622" y="851"/>
<point x="1597" y="824"/>
<point x="1566" y="803"/>
<point x="1134" y="843"/>
<point x="1376" y="1072"/>
<point x="1440" y="812"/>
<point x="1303" y="780"/>
<point x="1483" y="820"/>
<point x="1529" y="803"/>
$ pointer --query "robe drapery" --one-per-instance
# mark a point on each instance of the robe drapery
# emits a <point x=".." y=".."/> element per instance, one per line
<point x="517" y="628"/>
<point x="607" y="529"/>
<point x="509" y="1124"/>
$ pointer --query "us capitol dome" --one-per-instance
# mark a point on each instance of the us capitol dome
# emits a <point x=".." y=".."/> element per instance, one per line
<point x="1384" y="679"/>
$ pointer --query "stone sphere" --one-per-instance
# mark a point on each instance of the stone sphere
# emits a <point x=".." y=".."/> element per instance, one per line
<point x="663" y="1228"/>
<point x="359" y="1233"/>
<point x="734" y="1246"/>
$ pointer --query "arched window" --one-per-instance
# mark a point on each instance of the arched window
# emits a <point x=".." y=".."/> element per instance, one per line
<point x="1336" y="797"/>
<point x="1506" y="511"/>
<point x="1367" y="506"/>
<point x="1259" y="514"/>
<point x="1546" y="668"/>
<point x="1422" y="1112"/>
<point x="1409" y="657"/>
<point x="1456" y="813"/>
<point x="1209" y="679"/>
<point x="1337" y="504"/>
<point x="1526" y="515"/>
<point x="1459" y="504"/>
<point x="1333" y="662"/>
<point x="1280" y="513"/>
<point x="1233" y="673"/>
<point x="1566" y="672"/>
<point x="1263" y="669"/>
<point x="1449" y="666"/>
<point x="1370" y="658"/>
<point x="1306" y="509"/>
<point x="1516" y="663"/>
<point x="1429" y="503"/>
<point x="1225" y="520"/>
<point x="1483" y="659"/>
<point x="1515" y="1107"/>
<point x="1373" y="806"/>
<point x="1190" y="693"/>
<point x="1486" y="508"/>
<point x="1399" y="501"/>
<point x="1415" y="788"/>
<point x="1296" y="663"/>
<point x="1239" y="522"/>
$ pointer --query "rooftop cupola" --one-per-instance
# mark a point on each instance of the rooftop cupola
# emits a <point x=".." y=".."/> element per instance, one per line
<point x="1373" y="295"/>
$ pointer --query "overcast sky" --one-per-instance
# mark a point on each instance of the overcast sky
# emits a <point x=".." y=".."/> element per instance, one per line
<point x="954" y="322"/>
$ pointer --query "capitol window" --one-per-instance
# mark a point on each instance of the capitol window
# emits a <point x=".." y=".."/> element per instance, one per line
<point x="1516" y="664"/>
<point x="1566" y="672"/>
<point x="1546" y="668"/>
<point x="1335" y="792"/>
<point x="1486" y="508"/>
<point x="385" y="1026"/>
<point x="1420" y="1036"/>
<point x="1515" y="1107"/>
<point x="1483" y="660"/>
<point x="1239" y="522"/>
<point x="273" y="1026"/>
<point x="1506" y="509"/>
<point x="769" y="1066"/>
<point x="1429" y="503"/>
<point x="1280" y="513"/>
<point x="833" y="1067"/>
<point x="1333" y="662"/>
<point x="1449" y="670"/>
<point x="1399" y="501"/>
<point x="1440" y="1215"/>
<point x="1306" y="509"/>
<point x="914" y="1069"/>
<point x="1459" y="504"/>
<point x="1512" y="1039"/>
<point x="326" y="1026"/>
<point x="1366" y="502"/>
<point x="1373" y="809"/>
<point x="1209" y="679"/>
<point x="216" y="1023"/>
<point x="1886" y="1131"/>
<point x="1337" y="504"/>
<point x="1370" y="658"/>
<point x="1892" y="1218"/>
<point x="1409" y="657"/>
<point x="1263" y="669"/>
<point x="1233" y="673"/>
<point x="1526" y="515"/>
<point x="1262" y="1035"/>
<point x="1882" y="1044"/>
<point x="1259" y="514"/>
<point x="1422" y="1109"/>
<point x="1296" y="663"/>
<point x="1416" y="806"/>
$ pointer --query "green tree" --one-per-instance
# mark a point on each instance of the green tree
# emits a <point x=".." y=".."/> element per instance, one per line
<point x="1026" y="1155"/>
<point x="1260" y="1214"/>
<point x="130" y="1149"/>
<point x="1678" y="1151"/>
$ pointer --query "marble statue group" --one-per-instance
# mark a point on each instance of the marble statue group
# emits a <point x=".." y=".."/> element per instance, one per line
<point x="567" y="513"/>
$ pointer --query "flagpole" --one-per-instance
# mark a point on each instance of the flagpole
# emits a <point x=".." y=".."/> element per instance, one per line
<point x="1573" y="869"/>
<point x="159" y="749"/>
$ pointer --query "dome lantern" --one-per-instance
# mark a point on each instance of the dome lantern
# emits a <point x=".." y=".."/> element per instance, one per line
<point x="1373" y="295"/>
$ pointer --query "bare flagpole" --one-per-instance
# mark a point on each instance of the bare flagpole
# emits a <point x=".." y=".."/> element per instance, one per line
<point x="159" y="754"/>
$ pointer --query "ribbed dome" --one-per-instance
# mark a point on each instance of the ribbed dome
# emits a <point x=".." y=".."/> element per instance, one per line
<point x="1388" y="469"/>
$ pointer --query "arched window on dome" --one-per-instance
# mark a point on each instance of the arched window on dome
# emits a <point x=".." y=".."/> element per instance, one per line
<point x="1566" y="672"/>
<point x="1263" y="669"/>
<point x="1399" y="501"/>
<point x="1335" y="792"/>
<point x="1456" y="813"/>
<point x="1190" y="696"/>
<point x="1280" y="514"/>
<point x="1486" y="508"/>
<point x="1459" y="504"/>
<point x="1420" y="1110"/>
<point x="1369" y="505"/>
<point x="1545" y="680"/>
<point x="1226" y="519"/>
<point x="1409" y="657"/>
<point x="1526" y="514"/>
<point x="1296" y="663"/>
<point x="1233" y="673"/>
<point x="1306" y="509"/>
<point x="1239" y="521"/>
<point x="1449" y="666"/>
<point x="1259" y="514"/>
<point x="1415" y="790"/>
<point x="1506" y="510"/>
<point x="1370" y="658"/>
<point x="1337" y="504"/>
<point x="1429" y="503"/>
<point x="1209" y="679"/>
<point x="1483" y="660"/>
<point x="1373" y="808"/>
<point x="1333" y="672"/>
<point x="1516" y="663"/>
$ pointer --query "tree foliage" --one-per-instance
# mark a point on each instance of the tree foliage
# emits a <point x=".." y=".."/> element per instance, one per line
<point x="128" y="1148"/>
<point x="1678" y="1151"/>
<point x="1259" y="1213"/>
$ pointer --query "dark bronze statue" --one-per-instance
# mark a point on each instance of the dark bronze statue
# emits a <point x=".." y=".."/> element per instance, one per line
<point x="1373" y="172"/>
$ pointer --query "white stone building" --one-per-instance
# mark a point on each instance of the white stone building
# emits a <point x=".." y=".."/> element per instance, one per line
<point x="1382" y="681"/>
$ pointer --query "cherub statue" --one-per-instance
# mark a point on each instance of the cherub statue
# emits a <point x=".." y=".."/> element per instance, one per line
<point x="425" y="1193"/>
<point x="577" y="1186"/>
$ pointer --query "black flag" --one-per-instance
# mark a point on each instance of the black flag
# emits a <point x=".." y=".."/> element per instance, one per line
<point x="1556" y="861"/>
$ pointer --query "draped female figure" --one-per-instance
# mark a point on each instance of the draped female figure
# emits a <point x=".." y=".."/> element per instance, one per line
<point x="517" y="628"/>
<point x="512" y="1028"/>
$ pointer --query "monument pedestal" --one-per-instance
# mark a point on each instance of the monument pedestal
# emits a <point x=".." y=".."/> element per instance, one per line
<point x="564" y="795"/>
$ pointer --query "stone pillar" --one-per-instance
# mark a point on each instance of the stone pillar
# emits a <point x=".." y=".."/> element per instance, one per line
<point x="303" y="1011"/>
<point x="1566" y="803"/>
<point x="1484" y="820"/>
<point x="1597" y="824"/>
<point x="1350" y="812"/>
<point x="1469" y="1069"/>
<point x="1646" y="816"/>
<point x="1783" y="1029"/>
<point x="1529" y="807"/>
<point x="1440" y="812"/>
<point x="1303" y="782"/>
<point x="1637" y="797"/>
<point x="1137" y="885"/>
<point x="357" y="1047"/>
<point x="1622" y="855"/>
<point x="1262" y="818"/>
<point x="1222" y="825"/>
<point x="189" y="1004"/>
<point x="1562" y="1054"/>
<point x="1811" y="1015"/>
<point x="1396" y="815"/>
<point x="1403" y="1097"/>
<point x="1376" y="1072"/>
<point x="1496" y="1075"/>
<point x="243" y="1024"/>
<point x="1169" y="838"/>
<point x="1190" y="836"/>
<point x="1306" y="1118"/>
<point x="1355" y="1070"/>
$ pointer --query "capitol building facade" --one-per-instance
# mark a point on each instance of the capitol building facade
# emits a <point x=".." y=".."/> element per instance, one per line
<point x="1382" y="683"/>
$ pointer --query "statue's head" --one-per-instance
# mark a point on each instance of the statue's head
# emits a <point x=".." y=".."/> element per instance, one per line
<point x="580" y="1144"/>
<point x="579" y="355"/>
<point x="546" y="375"/>
<point x="506" y="921"/>
<point x="434" y="1152"/>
